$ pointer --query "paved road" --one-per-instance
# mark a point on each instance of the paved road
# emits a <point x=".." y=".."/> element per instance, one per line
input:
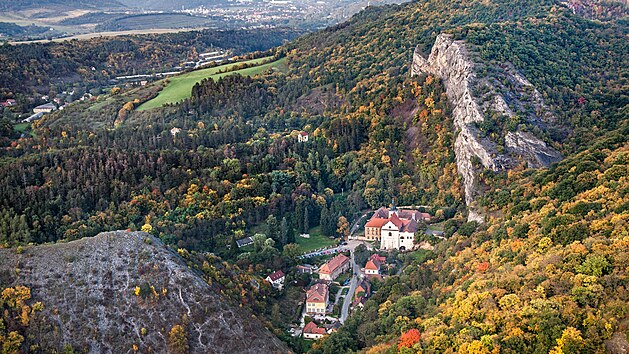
<point x="356" y="272"/>
<point x="357" y="223"/>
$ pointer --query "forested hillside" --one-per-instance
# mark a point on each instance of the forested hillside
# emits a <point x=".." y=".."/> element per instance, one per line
<point x="547" y="269"/>
<point x="86" y="64"/>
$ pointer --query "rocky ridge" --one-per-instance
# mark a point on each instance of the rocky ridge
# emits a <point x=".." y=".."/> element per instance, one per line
<point x="449" y="59"/>
<point x="107" y="293"/>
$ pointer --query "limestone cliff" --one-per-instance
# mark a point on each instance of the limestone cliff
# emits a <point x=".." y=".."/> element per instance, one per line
<point x="450" y="60"/>
<point x="88" y="288"/>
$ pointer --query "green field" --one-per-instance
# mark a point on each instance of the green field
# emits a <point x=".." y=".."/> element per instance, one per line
<point x="316" y="240"/>
<point x="23" y="128"/>
<point x="180" y="87"/>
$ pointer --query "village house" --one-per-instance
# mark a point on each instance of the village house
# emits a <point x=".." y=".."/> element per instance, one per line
<point x="317" y="299"/>
<point x="305" y="269"/>
<point x="373" y="266"/>
<point x="334" y="267"/>
<point x="8" y="103"/>
<point x="244" y="242"/>
<point x="363" y="289"/>
<point x="45" y="108"/>
<point x="394" y="228"/>
<point x="359" y="302"/>
<point x="277" y="279"/>
<point x="302" y="137"/>
<point x="312" y="331"/>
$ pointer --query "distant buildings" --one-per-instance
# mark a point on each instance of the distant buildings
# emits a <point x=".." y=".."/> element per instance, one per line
<point x="317" y="299"/>
<point x="277" y="279"/>
<point x="394" y="228"/>
<point x="33" y="117"/>
<point x="334" y="267"/>
<point x="45" y="108"/>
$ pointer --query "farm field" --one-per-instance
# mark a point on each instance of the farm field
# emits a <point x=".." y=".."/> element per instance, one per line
<point x="180" y="87"/>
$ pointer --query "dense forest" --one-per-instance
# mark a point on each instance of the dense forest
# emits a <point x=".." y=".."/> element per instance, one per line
<point x="546" y="272"/>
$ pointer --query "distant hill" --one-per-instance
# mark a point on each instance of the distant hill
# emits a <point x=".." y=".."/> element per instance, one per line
<point x="19" y="5"/>
<point x="169" y="5"/>
<point x="120" y="290"/>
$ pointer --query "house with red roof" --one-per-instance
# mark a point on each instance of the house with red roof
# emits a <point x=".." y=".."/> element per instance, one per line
<point x="302" y="137"/>
<point x="373" y="265"/>
<point x="312" y="331"/>
<point x="276" y="279"/>
<point x="317" y="299"/>
<point x="334" y="267"/>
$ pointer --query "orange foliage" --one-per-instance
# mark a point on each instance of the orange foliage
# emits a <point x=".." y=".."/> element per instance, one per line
<point x="409" y="338"/>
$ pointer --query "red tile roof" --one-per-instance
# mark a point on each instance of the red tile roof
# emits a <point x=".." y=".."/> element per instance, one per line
<point x="371" y="265"/>
<point x="377" y="222"/>
<point x="312" y="328"/>
<point x="330" y="266"/>
<point x="317" y="293"/>
<point x="396" y="221"/>
<point x="276" y="275"/>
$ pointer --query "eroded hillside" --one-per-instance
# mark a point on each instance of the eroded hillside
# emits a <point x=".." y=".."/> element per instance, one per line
<point x="124" y="291"/>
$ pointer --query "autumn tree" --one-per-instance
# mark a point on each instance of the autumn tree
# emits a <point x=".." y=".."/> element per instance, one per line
<point x="342" y="227"/>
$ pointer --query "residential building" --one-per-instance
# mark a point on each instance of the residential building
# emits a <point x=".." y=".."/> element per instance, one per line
<point x="312" y="331"/>
<point x="244" y="241"/>
<point x="334" y="267"/>
<point x="302" y="137"/>
<point x="317" y="299"/>
<point x="8" y="103"/>
<point x="359" y="302"/>
<point x="45" y="108"/>
<point x="305" y="269"/>
<point x="373" y="265"/>
<point x="276" y="279"/>
<point x="394" y="228"/>
<point x="363" y="289"/>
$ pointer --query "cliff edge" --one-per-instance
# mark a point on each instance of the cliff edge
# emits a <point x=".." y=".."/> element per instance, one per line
<point x="449" y="59"/>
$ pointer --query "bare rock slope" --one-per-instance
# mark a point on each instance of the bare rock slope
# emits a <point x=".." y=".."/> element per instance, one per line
<point x="110" y="292"/>
<point x="450" y="60"/>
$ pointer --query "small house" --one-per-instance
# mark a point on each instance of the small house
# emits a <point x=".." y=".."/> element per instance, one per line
<point x="277" y="279"/>
<point x="312" y="331"/>
<point x="302" y="137"/>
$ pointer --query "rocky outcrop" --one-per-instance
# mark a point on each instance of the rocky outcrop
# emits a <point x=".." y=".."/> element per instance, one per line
<point x="88" y="288"/>
<point x="450" y="60"/>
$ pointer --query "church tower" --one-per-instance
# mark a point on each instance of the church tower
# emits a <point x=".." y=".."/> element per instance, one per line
<point x="393" y="209"/>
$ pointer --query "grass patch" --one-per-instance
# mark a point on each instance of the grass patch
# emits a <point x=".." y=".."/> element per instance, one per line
<point x="317" y="240"/>
<point x="22" y="127"/>
<point x="180" y="87"/>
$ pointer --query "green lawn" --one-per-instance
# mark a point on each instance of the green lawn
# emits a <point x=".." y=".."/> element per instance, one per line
<point x="180" y="87"/>
<point x="316" y="240"/>
<point x="24" y="128"/>
<point x="21" y="127"/>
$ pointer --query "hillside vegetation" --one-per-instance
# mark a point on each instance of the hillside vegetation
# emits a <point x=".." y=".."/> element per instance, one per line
<point x="119" y="292"/>
<point x="546" y="272"/>
<point x="180" y="86"/>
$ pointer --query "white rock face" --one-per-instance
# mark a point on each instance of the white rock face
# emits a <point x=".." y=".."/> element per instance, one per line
<point x="450" y="61"/>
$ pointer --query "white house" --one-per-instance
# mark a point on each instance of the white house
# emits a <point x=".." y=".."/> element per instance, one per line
<point x="302" y="137"/>
<point x="277" y="279"/>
